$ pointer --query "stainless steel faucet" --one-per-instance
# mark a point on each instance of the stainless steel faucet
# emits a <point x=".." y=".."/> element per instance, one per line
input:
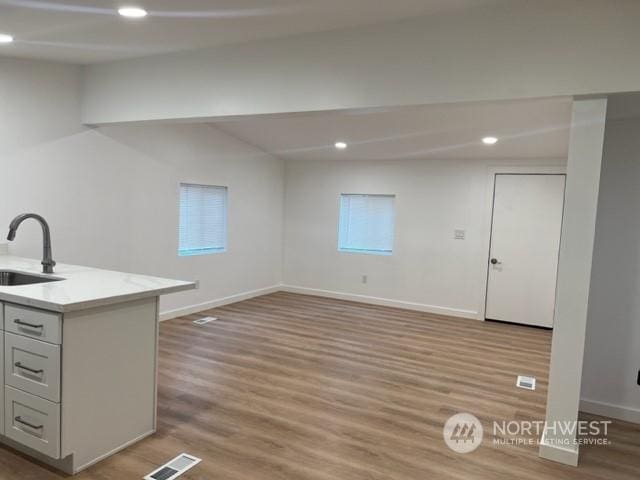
<point x="47" y="260"/>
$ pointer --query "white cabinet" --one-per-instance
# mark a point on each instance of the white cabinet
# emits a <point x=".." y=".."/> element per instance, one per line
<point x="1" y="370"/>
<point x="78" y="362"/>
<point x="79" y="386"/>
<point x="31" y="371"/>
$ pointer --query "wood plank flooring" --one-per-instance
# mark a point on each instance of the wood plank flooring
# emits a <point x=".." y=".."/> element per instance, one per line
<point x="296" y="387"/>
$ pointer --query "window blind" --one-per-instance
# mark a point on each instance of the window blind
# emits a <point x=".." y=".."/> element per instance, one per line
<point x="203" y="219"/>
<point x="366" y="223"/>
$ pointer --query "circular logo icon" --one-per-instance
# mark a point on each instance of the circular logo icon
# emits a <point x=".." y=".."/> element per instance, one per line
<point x="463" y="433"/>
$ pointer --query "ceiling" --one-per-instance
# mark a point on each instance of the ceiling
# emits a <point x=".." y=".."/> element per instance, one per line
<point x="90" y="31"/>
<point x="526" y="129"/>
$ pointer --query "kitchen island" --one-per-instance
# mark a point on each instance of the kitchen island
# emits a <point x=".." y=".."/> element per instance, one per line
<point x="78" y="361"/>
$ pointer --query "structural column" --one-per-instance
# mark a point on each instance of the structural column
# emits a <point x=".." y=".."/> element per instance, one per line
<point x="574" y="276"/>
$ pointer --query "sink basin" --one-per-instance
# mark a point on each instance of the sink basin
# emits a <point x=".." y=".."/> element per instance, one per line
<point x="9" y="278"/>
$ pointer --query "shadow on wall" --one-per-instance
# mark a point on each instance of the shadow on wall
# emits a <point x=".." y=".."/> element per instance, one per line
<point x="612" y="350"/>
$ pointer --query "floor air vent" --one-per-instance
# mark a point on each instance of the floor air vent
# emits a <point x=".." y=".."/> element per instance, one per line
<point x="174" y="468"/>
<point x="202" y="321"/>
<point x="528" y="383"/>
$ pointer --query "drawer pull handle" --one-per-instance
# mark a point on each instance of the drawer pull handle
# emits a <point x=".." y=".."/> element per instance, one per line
<point x="17" y="321"/>
<point x="30" y="425"/>
<point x="23" y="367"/>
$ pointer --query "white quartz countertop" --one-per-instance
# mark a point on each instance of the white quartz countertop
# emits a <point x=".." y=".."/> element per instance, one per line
<point x="82" y="287"/>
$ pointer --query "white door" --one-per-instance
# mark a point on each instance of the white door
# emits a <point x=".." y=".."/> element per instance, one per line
<point x="525" y="242"/>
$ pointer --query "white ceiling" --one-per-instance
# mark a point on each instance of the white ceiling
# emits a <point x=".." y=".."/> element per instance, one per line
<point x="90" y="31"/>
<point x="526" y="129"/>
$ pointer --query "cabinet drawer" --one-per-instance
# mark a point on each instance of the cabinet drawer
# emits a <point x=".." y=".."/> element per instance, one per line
<point x="1" y="384"/>
<point x="34" y="323"/>
<point x="32" y="421"/>
<point x="32" y="366"/>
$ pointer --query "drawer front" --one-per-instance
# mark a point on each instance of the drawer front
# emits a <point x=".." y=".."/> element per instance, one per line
<point x="34" y="323"/>
<point x="1" y="383"/>
<point x="32" y="366"/>
<point x="32" y="421"/>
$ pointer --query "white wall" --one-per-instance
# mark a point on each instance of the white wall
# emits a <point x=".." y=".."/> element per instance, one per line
<point x="503" y="50"/>
<point x="612" y="350"/>
<point x="428" y="270"/>
<point x="111" y="194"/>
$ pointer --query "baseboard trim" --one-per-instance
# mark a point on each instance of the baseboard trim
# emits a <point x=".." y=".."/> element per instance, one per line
<point x="421" y="307"/>
<point x="619" y="412"/>
<point x="238" y="297"/>
<point x="386" y="302"/>
<point x="555" y="453"/>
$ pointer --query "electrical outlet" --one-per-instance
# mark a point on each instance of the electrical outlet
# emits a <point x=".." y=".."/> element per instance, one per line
<point x="459" y="234"/>
<point x="364" y="278"/>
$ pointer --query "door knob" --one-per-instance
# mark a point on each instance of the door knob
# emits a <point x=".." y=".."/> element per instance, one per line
<point x="494" y="261"/>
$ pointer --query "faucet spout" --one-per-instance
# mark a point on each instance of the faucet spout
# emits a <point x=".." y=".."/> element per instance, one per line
<point x="47" y="260"/>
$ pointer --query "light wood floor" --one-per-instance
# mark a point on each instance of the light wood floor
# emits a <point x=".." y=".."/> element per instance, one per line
<point x="302" y="388"/>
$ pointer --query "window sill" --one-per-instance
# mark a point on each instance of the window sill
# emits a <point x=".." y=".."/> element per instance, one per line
<point x="384" y="253"/>
<point x="202" y="251"/>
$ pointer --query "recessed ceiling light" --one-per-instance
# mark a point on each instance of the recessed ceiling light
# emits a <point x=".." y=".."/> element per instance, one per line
<point x="489" y="140"/>
<point x="4" y="38"/>
<point x="340" y="145"/>
<point x="132" y="12"/>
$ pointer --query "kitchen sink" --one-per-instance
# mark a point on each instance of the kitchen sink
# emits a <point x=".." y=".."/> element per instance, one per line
<point x="10" y="278"/>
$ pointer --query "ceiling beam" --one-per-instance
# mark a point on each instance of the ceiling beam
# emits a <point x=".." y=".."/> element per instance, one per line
<point x="512" y="49"/>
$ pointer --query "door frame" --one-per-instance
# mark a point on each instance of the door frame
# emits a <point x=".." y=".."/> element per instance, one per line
<point x="488" y="222"/>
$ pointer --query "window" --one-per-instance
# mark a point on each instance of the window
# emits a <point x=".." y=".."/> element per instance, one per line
<point x="366" y="224"/>
<point x="203" y="219"/>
